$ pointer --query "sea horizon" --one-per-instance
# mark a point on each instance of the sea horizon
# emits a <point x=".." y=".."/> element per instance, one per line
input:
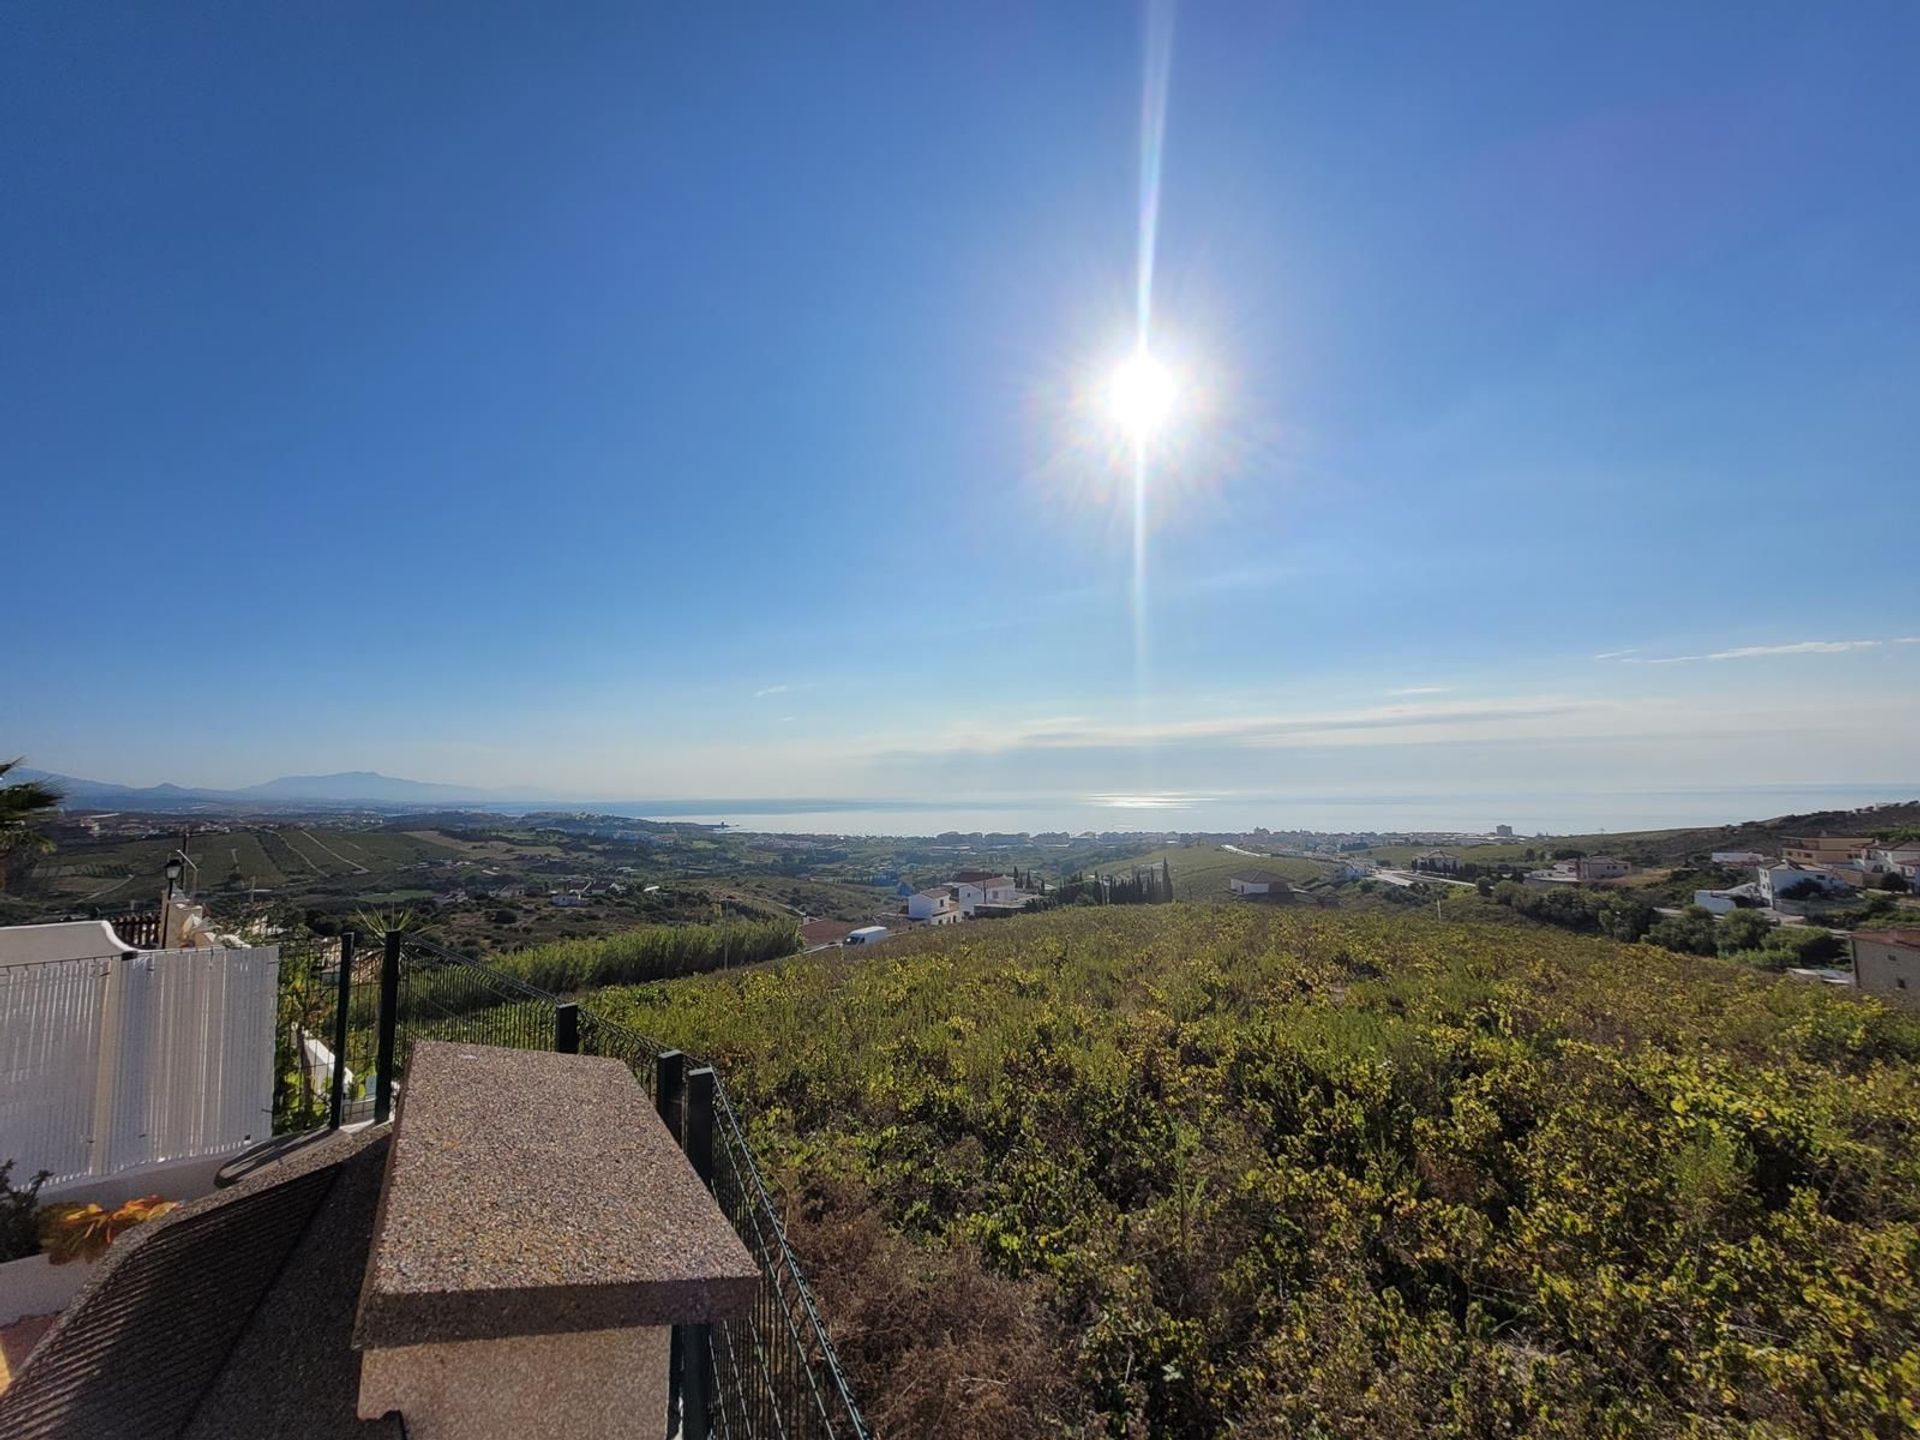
<point x="1566" y="813"/>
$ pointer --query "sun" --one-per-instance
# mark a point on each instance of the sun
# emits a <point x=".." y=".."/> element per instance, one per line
<point x="1142" y="396"/>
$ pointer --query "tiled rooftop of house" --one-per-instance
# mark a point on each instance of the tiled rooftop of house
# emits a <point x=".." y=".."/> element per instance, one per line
<point x="231" y="1316"/>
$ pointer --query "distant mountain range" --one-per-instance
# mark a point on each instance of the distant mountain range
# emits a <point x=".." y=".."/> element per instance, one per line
<point x="346" y="788"/>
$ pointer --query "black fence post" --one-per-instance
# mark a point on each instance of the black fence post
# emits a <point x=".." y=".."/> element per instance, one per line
<point x="389" y="1018"/>
<point x="696" y="1381"/>
<point x="696" y="1136"/>
<point x="566" y="1029"/>
<point x="670" y="1088"/>
<point x="337" y="1095"/>
<point x="696" y="1341"/>
<point x="669" y="1097"/>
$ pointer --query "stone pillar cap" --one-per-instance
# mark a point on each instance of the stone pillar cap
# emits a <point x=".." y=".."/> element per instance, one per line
<point x="534" y="1193"/>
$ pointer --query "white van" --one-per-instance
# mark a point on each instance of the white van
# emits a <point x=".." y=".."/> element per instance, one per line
<point x="869" y="935"/>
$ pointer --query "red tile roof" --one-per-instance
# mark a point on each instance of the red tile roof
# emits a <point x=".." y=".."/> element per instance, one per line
<point x="1907" y="939"/>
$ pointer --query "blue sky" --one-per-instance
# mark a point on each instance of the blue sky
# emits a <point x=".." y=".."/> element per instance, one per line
<point x="648" y="400"/>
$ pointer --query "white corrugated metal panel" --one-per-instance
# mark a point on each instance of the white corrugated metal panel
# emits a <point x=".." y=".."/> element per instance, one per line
<point x="135" y="1062"/>
<point x="51" y="1016"/>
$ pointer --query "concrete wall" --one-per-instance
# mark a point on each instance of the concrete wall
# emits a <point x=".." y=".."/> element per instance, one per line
<point x="1889" y="971"/>
<point x="587" y="1383"/>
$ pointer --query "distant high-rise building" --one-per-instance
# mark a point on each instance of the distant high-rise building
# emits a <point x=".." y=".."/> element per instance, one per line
<point x="1505" y="832"/>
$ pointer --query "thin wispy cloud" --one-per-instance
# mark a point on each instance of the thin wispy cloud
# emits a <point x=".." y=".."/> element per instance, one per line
<point x="1616" y="654"/>
<point x="1258" y="730"/>
<point x="1421" y="690"/>
<point x="781" y="690"/>
<point x="1757" y="652"/>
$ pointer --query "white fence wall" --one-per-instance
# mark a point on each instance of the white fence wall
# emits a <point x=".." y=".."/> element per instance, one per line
<point x="113" y="1065"/>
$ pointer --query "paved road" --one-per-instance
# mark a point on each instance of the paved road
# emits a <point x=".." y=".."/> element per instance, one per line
<point x="1404" y="878"/>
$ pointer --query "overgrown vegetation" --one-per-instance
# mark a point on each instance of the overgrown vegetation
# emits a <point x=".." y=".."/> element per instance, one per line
<point x="1187" y="1171"/>
<point x="1745" y="935"/>
<point x="1591" y="912"/>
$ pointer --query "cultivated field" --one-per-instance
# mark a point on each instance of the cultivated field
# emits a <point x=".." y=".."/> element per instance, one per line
<point x="1200" y="871"/>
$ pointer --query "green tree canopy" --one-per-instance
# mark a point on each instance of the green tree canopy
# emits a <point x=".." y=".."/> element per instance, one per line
<point x="25" y="805"/>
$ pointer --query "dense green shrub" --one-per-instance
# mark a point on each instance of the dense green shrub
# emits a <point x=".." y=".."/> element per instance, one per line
<point x="1590" y="912"/>
<point x="1744" y="930"/>
<point x="1304" y="1173"/>
<point x="1692" y="932"/>
<point x="1806" y="945"/>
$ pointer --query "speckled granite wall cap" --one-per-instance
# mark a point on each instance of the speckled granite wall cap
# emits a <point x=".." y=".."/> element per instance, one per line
<point x="533" y="1193"/>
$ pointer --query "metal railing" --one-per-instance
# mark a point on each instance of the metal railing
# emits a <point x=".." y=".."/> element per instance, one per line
<point x="142" y="931"/>
<point x="773" y="1372"/>
<point x="774" y="1369"/>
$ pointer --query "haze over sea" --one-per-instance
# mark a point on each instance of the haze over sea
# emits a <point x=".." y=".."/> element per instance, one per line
<point x="1563" y="814"/>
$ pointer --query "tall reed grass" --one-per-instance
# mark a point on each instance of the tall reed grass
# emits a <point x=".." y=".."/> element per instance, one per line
<point x="566" y="967"/>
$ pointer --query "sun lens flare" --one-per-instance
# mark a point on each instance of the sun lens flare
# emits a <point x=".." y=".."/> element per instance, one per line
<point x="1142" y="396"/>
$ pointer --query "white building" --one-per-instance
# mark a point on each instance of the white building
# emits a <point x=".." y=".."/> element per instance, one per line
<point x="975" y="888"/>
<point x="1258" y="882"/>
<point x="1437" y="861"/>
<point x="1894" y="859"/>
<point x="1738" y="857"/>
<point x="1777" y="878"/>
<point x="938" y="906"/>
<point x="1725" y="902"/>
<point x="1601" y="867"/>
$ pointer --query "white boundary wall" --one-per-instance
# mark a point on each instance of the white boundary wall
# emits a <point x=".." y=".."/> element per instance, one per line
<point x="114" y="1065"/>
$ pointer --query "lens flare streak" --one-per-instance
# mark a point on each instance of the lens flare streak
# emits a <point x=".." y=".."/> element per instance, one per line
<point x="1156" y="68"/>
<point x="1153" y="134"/>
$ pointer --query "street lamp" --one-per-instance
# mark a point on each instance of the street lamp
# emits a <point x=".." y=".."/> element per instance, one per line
<point x="174" y="868"/>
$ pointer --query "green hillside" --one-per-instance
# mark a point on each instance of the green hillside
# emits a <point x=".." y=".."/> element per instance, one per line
<point x="1199" y="1170"/>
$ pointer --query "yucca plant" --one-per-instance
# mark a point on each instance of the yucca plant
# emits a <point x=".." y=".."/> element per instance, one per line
<point x="19" y="1214"/>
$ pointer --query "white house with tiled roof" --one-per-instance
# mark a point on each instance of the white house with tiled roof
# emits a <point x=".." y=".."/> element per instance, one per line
<point x="980" y="887"/>
<point x="936" y="905"/>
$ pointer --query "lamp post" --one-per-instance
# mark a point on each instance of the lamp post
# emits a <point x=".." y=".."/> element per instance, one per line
<point x="174" y="868"/>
